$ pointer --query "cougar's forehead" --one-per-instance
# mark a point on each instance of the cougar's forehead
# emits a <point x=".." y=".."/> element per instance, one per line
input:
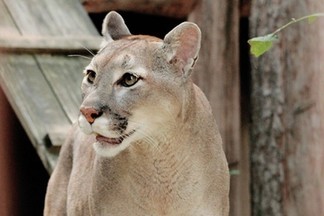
<point x="125" y="55"/>
<point x="137" y="45"/>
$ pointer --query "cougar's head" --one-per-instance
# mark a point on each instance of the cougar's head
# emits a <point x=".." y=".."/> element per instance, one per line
<point x="135" y="87"/>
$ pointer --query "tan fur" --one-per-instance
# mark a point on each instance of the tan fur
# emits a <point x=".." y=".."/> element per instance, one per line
<point x="170" y="162"/>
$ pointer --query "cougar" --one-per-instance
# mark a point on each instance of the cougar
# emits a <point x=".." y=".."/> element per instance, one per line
<point x="146" y="142"/>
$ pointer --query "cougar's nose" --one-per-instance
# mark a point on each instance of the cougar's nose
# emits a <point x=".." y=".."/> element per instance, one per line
<point x="90" y="113"/>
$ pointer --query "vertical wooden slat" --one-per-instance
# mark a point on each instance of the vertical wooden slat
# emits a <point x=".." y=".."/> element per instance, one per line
<point x="217" y="73"/>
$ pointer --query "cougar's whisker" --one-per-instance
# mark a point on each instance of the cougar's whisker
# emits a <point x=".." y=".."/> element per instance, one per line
<point x="88" y="50"/>
<point x="82" y="56"/>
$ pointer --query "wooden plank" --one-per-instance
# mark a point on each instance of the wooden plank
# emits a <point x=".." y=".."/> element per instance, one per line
<point x="65" y="77"/>
<point x="7" y="25"/>
<point x="49" y="44"/>
<point x="48" y="17"/>
<point x="32" y="99"/>
<point x="79" y="22"/>
<point x="46" y="111"/>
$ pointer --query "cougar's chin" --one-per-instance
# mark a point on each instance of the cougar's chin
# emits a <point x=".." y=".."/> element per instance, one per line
<point x="110" y="147"/>
<point x="113" y="141"/>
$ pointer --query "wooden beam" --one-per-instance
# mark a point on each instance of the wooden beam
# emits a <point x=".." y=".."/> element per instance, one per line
<point x="170" y="8"/>
<point x="51" y="44"/>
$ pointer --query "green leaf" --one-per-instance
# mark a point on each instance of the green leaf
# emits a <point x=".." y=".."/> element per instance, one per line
<point x="262" y="44"/>
<point x="235" y="172"/>
<point x="312" y="18"/>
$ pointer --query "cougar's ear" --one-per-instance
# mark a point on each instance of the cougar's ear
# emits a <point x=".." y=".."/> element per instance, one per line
<point x="182" y="46"/>
<point x="114" y="27"/>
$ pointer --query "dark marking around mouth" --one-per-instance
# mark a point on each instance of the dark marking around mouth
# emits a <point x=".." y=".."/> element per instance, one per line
<point x="121" y="123"/>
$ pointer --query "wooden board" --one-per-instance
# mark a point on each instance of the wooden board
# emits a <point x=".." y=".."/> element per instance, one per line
<point x="44" y="90"/>
<point x="48" y="17"/>
<point x="31" y="97"/>
<point x="65" y="76"/>
<point x="7" y="25"/>
<point x="49" y="44"/>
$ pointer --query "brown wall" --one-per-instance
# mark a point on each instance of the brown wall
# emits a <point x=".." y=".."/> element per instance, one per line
<point x="23" y="178"/>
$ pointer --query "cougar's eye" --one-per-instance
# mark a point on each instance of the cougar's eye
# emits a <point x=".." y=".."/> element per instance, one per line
<point x="91" y="76"/>
<point x="128" y="80"/>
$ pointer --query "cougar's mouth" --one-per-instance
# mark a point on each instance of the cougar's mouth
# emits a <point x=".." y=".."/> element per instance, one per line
<point x="113" y="141"/>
